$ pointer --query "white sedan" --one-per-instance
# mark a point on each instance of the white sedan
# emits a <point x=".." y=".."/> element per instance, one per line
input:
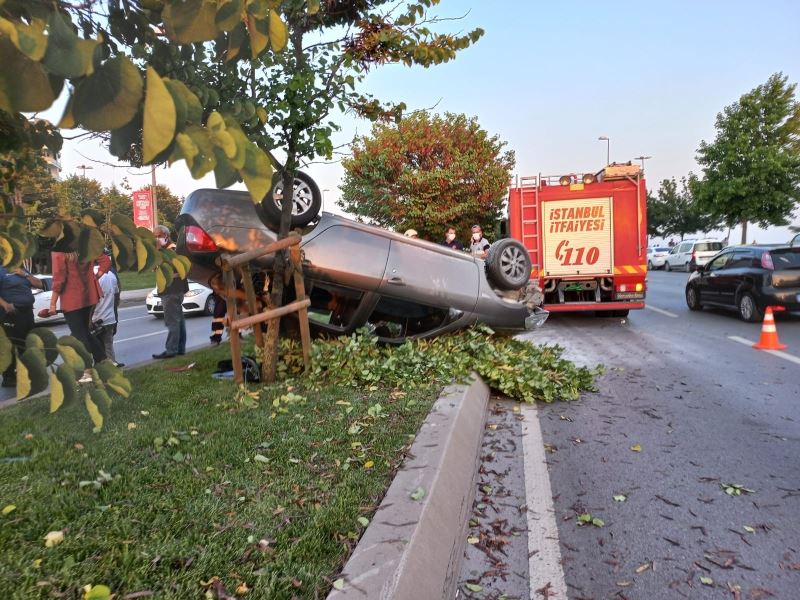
<point x="199" y="300"/>
<point x="656" y="257"/>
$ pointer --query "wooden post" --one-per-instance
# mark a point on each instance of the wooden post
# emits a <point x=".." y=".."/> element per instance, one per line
<point x="236" y="347"/>
<point x="302" y="314"/>
<point x="252" y="305"/>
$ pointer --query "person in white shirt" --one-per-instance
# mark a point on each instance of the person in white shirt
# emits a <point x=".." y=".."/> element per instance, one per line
<point x="104" y="319"/>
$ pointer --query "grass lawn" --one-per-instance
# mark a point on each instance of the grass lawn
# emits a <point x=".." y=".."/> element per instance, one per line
<point x="184" y="485"/>
<point x="131" y="280"/>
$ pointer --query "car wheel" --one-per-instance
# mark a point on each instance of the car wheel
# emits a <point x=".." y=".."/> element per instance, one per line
<point x="211" y="302"/>
<point x="306" y="200"/>
<point x="649" y="265"/>
<point x="667" y="267"/>
<point x="693" y="299"/>
<point x="748" y="309"/>
<point x="508" y="264"/>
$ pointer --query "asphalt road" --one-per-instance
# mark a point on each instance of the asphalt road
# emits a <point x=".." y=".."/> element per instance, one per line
<point x="704" y="409"/>
<point x="139" y="336"/>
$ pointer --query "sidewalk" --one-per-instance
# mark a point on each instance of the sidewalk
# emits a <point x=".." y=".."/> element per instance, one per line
<point x="133" y="296"/>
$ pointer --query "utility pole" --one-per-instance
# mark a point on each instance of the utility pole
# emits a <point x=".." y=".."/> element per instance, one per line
<point x="643" y="158"/>
<point x="153" y="196"/>
<point x="83" y="168"/>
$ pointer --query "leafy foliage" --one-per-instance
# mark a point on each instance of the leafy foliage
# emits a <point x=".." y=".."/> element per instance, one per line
<point x="516" y="368"/>
<point x="751" y="171"/>
<point x="427" y="171"/>
<point x="675" y="211"/>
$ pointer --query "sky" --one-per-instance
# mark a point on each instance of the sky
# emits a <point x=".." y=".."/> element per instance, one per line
<point x="549" y="78"/>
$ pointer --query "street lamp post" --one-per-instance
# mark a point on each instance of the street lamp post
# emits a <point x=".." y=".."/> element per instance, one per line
<point x="643" y="158"/>
<point x="323" y="198"/>
<point x="83" y="168"/>
<point x="607" y="140"/>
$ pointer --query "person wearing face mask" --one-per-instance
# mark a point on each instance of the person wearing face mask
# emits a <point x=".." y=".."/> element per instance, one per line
<point x="478" y="245"/>
<point x="450" y="239"/>
<point x="172" y="300"/>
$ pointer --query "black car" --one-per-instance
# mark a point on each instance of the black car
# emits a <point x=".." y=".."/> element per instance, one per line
<point x="748" y="278"/>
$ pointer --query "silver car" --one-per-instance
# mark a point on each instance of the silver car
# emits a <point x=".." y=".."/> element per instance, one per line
<point x="363" y="276"/>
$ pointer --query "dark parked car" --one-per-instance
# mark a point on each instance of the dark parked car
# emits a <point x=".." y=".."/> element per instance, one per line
<point x="748" y="279"/>
<point x="358" y="275"/>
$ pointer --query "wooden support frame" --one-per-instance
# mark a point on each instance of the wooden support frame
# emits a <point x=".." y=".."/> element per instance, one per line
<point x="240" y="263"/>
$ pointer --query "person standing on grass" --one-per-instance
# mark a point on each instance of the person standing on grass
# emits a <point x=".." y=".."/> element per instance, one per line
<point x="75" y="286"/>
<point x="16" y="306"/>
<point x="172" y="300"/>
<point x="105" y="315"/>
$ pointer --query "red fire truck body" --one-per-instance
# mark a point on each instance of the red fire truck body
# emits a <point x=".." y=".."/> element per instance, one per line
<point x="587" y="237"/>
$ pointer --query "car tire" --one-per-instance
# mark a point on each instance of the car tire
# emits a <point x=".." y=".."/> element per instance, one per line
<point x="508" y="264"/>
<point x="211" y="302"/>
<point x="667" y="267"/>
<point x="650" y="265"/>
<point x="693" y="298"/>
<point x="748" y="309"/>
<point x="306" y="200"/>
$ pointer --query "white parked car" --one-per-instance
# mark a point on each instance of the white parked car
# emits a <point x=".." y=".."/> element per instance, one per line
<point x="691" y="254"/>
<point x="656" y="257"/>
<point x="41" y="299"/>
<point x="199" y="300"/>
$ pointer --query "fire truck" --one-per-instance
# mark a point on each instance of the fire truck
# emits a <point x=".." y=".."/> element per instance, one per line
<point x="586" y="234"/>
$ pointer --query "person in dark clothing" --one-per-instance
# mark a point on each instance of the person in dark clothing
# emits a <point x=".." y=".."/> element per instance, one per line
<point x="172" y="300"/>
<point x="450" y="239"/>
<point x="16" y="305"/>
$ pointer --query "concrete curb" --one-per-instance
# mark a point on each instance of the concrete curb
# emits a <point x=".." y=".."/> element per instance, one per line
<point x="412" y="548"/>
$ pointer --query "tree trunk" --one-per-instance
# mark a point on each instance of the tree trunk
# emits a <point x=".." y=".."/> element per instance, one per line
<point x="744" y="232"/>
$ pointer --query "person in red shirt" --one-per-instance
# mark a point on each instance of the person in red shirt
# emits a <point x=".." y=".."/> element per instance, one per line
<point x="75" y="286"/>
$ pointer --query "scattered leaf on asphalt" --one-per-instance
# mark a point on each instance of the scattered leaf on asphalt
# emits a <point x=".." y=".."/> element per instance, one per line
<point x="338" y="584"/>
<point x="54" y="538"/>
<point x="619" y="497"/>
<point x="749" y="529"/>
<point x="418" y="494"/>
<point x="473" y="540"/>
<point x="473" y="587"/>
<point x="736" y="489"/>
<point x="598" y="522"/>
<point x="636" y="447"/>
<point x="706" y="581"/>
<point x="644" y="567"/>
<point x="624" y="583"/>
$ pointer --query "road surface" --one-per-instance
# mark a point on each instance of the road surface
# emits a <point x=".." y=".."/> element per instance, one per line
<point x="686" y="406"/>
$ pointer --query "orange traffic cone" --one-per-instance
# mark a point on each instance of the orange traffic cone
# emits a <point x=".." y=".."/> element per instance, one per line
<point x="769" y="333"/>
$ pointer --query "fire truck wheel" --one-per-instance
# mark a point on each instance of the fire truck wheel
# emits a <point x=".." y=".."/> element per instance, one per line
<point x="620" y="313"/>
<point x="508" y="264"/>
<point x="306" y="200"/>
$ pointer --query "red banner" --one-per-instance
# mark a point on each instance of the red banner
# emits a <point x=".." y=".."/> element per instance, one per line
<point x="143" y="209"/>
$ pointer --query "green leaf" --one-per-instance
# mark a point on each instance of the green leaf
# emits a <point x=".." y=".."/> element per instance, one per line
<point x="56" y="392"/>
<point x="46" y="340"/>
<point x="94" y="413"/>
<point x="159" y="117"/>
<point x="706" y="581"/>
<point x="363" y="521"/>
<point x="98" y="592"/>
<point x="598" y="522"/>
<point x="256" y="173"/>
<point x="67" y="55"/>
<point x="338" y="584"/>
<point x="8" y="509"/>
<point x="110" y="97"/>
<point x="6" y="351"/>
<point x="260" y="458"/>
<point x="619" y="497"/>
<point x="24" y="84"/>
<point x="313" y="7"/>
<point x="32" y="365"/>
<point x="473" y="587"/>
<point x="229" y="14"/>
<point x="29" y="39"/>
<point x="636" y="448"/>
<point x="258" y="30"/>
<point x="418" y="494"/>
<point x="66" y="376"/>
<point x="749" y="529"/>
<point x="473" y="540"/>
<point x="190" y="21"/>
<point x="73" y="358"/>
<point x="90" y="244"/>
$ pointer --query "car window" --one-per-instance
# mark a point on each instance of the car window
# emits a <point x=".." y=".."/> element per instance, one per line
<point x="795" y="241"/>
<point x="333" y="306"/>
<point x="741" y="258"/>
<point x="664" y="249"/>
<point x="708" y="246"/>
<point x="785" y="259"/>
<point x="685" y="247"/>
<point x="393" y="318"/>
<point x="719" y="262"/>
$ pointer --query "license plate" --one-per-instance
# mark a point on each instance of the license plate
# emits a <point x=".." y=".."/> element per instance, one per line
<point x="630" y="295"/>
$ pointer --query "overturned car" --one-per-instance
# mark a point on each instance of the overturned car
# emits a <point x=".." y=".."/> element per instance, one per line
<point x="358" y="275"/>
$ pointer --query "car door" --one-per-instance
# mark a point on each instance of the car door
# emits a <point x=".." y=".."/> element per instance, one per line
<point x="672" y="257"/>
<point x="712" y="278"/>
<point x="432" y="275"/>
<point x="730" y="276"/>
<point x="684" y="254"/>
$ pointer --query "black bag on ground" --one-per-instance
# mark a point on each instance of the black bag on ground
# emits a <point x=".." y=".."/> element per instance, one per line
<point x="250" y="370"/>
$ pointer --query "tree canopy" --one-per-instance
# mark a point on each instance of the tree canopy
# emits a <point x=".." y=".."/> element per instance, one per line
<point x="427" y="171"/>
<point x="674" y="211"/>
<point x="751" y="171"/>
